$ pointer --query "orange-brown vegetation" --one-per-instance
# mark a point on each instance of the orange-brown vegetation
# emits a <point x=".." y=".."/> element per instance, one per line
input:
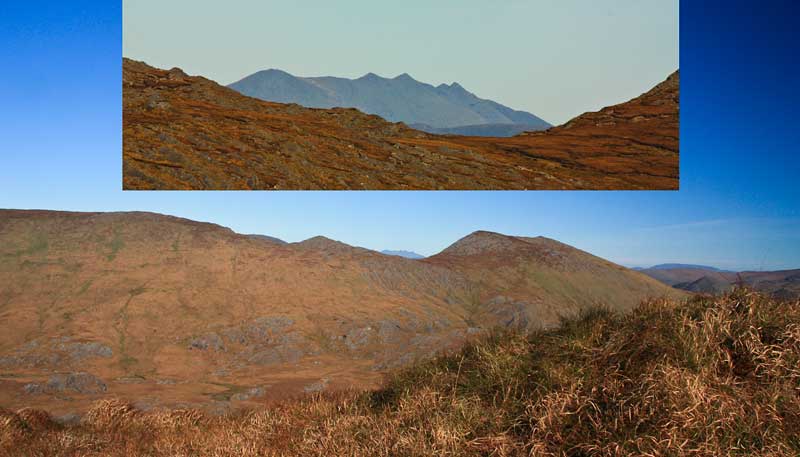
<point x="168" y="312"/>
<point x="710" y="376"/>
<point x="183" y="132"/>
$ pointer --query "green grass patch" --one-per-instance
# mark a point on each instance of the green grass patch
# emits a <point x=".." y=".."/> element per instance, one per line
<point x="84" y="287"/>
<point x="115" y="245"/>
<point x="127" y="362"/>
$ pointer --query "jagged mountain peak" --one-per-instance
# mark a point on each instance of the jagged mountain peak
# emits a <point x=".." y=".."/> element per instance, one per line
<point x="371" y="77"/>
<point x="398" y="99"/>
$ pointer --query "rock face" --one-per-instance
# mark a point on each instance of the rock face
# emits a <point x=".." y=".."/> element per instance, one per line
<point x="82" y="383"/>
<point x="400" y="99"/>
<point x="179" y="312"/>
<point x="183" y="132"/>
<point x="61" y="351"/>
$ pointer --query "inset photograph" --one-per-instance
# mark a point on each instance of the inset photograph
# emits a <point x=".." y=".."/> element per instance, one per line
<point x="352" y="95"/>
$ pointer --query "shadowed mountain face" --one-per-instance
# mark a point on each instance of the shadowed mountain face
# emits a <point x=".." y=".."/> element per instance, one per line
<point x="174" y="312"/>
<point x="400" y="99"/>
<point x="699" y="279"/>
<point x="182" y="132"/>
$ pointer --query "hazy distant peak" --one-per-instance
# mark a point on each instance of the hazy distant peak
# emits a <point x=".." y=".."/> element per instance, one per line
<point x="673" y="266"/>
<point x="273" y="72"/>
<point x="401" y="253"/>
<point x="455" y="88"/>
<point x="398" y="99"/>
<point x="371" y="76"/>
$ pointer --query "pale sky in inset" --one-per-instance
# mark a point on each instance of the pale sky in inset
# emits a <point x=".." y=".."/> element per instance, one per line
<point x="554" y="58"/>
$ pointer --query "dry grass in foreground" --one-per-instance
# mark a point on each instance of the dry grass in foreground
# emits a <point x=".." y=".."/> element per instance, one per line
<point x="714" y="376"/>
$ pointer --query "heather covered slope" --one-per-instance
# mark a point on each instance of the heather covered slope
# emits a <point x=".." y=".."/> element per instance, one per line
<point x="183" y="132"/>
<point x="707" y="377"/>
<point x="176" y="312"/>
<point x="539" y="281"/>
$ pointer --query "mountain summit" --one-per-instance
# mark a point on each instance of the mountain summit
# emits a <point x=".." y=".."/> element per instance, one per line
<point x="399" y="99"/>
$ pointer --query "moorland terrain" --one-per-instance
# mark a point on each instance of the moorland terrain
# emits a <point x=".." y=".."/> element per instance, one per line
<point x="187" y="132"/>
<point x="168" y="312"/>
<point x="710" y="376"/>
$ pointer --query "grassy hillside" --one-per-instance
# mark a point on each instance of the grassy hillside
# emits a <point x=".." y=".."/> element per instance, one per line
<point x="711" y="376"/>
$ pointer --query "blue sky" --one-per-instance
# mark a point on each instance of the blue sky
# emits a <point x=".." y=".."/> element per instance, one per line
<point x="528" y="54"/>
<point x="738" y="207"/>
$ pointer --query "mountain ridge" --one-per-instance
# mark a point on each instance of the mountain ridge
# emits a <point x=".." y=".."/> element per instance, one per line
<point x="398" y="99"/>
<point x="699" y="279"/>
<point x="402" y="253"/>
<point x="196" y="314"/>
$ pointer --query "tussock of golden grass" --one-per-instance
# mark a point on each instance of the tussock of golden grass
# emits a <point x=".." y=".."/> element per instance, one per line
<point x="712" y="376"/>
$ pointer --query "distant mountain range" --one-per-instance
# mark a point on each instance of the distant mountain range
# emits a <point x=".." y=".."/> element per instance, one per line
<point x="673" y="266"/>
<point x="704" y="279"/>
<point x="444" y="109"/>
<point x="406" y="254"/>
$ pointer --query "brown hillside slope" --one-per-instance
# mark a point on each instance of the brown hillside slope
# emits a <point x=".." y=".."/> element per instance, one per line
<point x="538" y="280"/>
<point x="710" y="376"/>
<point x="175" y="312"/>
<point x="183" y="132"/>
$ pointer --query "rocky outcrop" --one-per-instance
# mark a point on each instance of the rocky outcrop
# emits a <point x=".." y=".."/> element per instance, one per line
<point x="56" y="352"/>
<point x="81" y="383"/>
<point x="249" y="394"/>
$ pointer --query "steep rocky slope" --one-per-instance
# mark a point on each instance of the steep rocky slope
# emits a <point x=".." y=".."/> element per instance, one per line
<point x="183" y="132"/>
<point x="169" y="311"/>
